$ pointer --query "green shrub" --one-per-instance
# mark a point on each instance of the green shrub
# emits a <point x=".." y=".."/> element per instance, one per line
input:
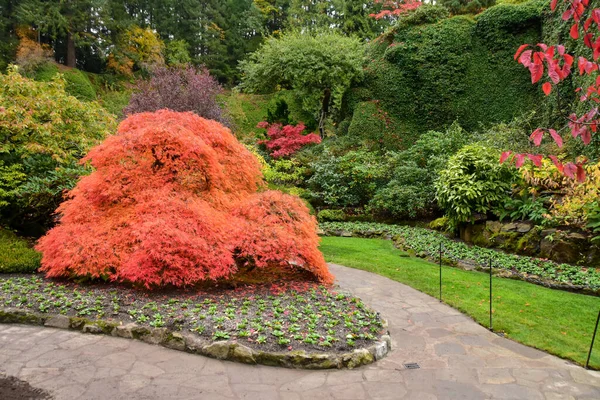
<point x="45" y="72"/>
<point x="78" y="85"/>
<point x="16" y="255"/>
<point x="285" y="172"/>
<point x="375" y="129"/>
<point x="408" y="195"/>
<point x="76" y="82"/>
<point x="410" y="192"/>
<point x="45" y="132"/>
<point x="349" y="180"/>
<point x="115" y="101"/>
<point x="473" y="182"/>
<point x="440" y="224"/>
<point x="331" y="215"/>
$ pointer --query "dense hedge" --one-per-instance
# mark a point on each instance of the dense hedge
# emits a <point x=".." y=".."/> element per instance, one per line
<point x="16" y="255"/>
<point x="77" y="83"/>
<point x="430" y="70"/>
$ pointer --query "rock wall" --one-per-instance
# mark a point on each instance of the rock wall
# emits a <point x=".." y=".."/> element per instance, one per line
<point x="560" y="245"/>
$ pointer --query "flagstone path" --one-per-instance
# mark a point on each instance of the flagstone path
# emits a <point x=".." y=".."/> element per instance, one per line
<point x="458" y="359"/>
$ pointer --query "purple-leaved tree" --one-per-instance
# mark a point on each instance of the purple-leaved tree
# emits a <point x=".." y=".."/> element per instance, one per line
<point x="182" y="88"/>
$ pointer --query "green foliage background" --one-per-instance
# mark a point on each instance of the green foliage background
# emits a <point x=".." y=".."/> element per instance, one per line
<point x="430" y="70"/>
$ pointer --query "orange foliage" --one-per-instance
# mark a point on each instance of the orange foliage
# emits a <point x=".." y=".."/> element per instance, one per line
<point x="173" y="201"/>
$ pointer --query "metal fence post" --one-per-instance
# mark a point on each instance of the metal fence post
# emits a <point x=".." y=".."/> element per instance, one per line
<point x="587" y="363"/>
<point x="440" y="271"/>
<point x="491" y="324"/>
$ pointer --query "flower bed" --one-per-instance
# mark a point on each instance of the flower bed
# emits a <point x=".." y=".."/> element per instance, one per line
<point x="294" y="321"/>
<point x="426" y="243"/>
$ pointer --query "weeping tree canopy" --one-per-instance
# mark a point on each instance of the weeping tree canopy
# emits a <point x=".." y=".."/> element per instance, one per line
<point x="319" y="67"/>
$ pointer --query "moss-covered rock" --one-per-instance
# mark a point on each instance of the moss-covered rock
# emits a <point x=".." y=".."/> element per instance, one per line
<point x="243" y="354"/>
<point x="219" y="350"/>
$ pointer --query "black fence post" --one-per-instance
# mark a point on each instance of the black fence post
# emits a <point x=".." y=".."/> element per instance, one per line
<point x="587" y="363"/>
<point x="491" y="324"/>
<point x="440" y="272"/>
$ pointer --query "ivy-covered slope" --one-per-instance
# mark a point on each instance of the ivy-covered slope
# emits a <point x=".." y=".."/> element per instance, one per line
<point x="432" y="69"/>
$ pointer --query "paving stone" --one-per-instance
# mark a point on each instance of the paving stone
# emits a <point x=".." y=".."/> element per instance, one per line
<point x="529" y="374"/>
<point x="558" y="396"/>
<point x="520" y="349"/>
<point x="512" y="392"/>
<point x="586" y="377"/>
<point x="143" y="368"/>
<point x="448" y="390"/>
<point x="308" y="382"/>
<point x="495" y="376"/>
<point x="444" y="349"/>
<point x="438" y="333"/>
<point x="474" y="340"/>
<point x="459" y="359"/>
<point x="385" y="390"/>
<point x="375" y="375"/>
<point x="352" y="391"/>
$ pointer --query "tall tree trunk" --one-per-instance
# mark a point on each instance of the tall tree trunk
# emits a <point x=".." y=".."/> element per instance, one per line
<point x="71" y="60"/>
<point x="324" y="111"/>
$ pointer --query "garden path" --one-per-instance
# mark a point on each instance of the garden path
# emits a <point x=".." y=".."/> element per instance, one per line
<point x="458" y="359"/>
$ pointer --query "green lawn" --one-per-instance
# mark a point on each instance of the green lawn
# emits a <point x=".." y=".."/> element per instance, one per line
<point x="558" y="322"/>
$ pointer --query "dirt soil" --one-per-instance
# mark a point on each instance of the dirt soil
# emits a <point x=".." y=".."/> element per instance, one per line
<point x="12" y="388"/>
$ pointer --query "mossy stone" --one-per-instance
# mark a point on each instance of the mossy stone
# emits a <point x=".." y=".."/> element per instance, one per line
<point x="242" y="354"/>
<point x="218" y="350"/>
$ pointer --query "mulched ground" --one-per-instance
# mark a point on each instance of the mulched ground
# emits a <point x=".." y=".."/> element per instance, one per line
<point x="14" y="389"/>
<point x="271" y="317"/>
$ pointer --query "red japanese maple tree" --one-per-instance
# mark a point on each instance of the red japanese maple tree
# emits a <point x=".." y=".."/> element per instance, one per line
<point x="556" y="63"/>
<point x="394" y="8"/>
<point x="286" y="140"/>
<point x="174" y="201"/>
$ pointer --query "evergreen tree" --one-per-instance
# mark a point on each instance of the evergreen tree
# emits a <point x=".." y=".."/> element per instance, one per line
<point x="68" y="23"/>
<point x="8" y="38"/>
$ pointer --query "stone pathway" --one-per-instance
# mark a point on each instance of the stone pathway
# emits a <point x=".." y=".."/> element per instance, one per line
<point x="459" y="359"/>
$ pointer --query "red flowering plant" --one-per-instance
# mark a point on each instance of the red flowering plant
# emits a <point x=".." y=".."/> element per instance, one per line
<point x="174" y="200"/>
<point x="556" y="63"/>
<point x="394" y="8"/>
<point x="285" y="141"/>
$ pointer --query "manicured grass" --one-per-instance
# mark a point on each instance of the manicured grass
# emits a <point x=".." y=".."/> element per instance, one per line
<point x="16" y="255"/>
<point x="555" y="321"/>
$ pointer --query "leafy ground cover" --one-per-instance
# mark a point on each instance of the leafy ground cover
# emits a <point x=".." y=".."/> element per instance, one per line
<point x="16" y="255"/>
<point x="555" y="321"/>
<point x="427" y="243"/>
<point x="292" y="316"/>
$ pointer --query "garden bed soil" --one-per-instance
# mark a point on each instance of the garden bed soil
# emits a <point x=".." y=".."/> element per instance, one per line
<point x="282" y="317"/>
<point x="12" y="388"/>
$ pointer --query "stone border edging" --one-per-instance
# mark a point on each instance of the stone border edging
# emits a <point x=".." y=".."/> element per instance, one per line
<point x="221" y="350"/>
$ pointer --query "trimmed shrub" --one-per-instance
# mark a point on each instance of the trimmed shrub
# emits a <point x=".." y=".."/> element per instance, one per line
<point x="16" y="255"/>
<point x="374" y="128"/>
<point x="78" y="85"/>
<point x="76" y="82"/>
<point x="429" y="70"/>
<point x="331" y="215"/>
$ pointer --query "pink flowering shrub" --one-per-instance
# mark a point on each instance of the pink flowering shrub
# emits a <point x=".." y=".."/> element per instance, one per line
<point x="286" y="140"/>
